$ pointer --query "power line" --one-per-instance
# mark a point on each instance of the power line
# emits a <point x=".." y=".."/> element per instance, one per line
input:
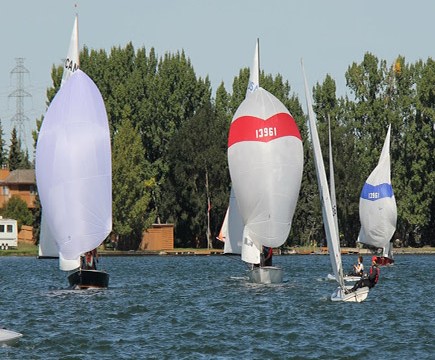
<point x="18" y="120"/>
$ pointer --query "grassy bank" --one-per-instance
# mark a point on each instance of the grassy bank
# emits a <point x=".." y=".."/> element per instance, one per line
<point x="24" y="249"/>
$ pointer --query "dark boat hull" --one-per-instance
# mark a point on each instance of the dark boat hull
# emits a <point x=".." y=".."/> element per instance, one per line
<point x="85" y="279"/>
<point x="384" y="261"/>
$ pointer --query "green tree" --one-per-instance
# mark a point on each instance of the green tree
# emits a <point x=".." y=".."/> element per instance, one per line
<point x="197" y="153"/>
<point x="3" y="151"/>
<point x="133" y="184"/>
<point x="15" y="154"/>
<point x="17" y="209"/>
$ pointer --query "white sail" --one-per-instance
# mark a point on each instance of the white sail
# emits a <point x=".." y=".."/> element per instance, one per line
<point x="72" y="63"/>
<point x="250" y="249"/>
<point x="265" y="158"/>
<point x="332" y="181"/>
<point x="233" y="230"/>
<point x="73" y="167"/>
<point x="47" y="243"/>
<point x="325" y="199"/>
<point x="377" y="205"/>
<point x="254" y="74"/>
<point x="68" y="265"/>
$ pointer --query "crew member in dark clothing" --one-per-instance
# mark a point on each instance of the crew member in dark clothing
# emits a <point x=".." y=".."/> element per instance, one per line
<point x="370" y="279"/>
<point x="267" y="256"/>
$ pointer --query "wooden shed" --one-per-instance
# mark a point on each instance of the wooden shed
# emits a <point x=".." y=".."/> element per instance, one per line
<point x="158" y="237"/>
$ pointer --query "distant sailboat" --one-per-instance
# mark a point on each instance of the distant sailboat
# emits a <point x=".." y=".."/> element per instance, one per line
<point x="377" y="207"/>
<point x="265" y="157"/>
<point x="340" y="294"/>
<point x="73" y="173"/>
<point x="47" y="243"/>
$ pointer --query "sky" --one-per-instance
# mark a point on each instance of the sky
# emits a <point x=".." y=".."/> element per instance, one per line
<point x="217" y="35"/>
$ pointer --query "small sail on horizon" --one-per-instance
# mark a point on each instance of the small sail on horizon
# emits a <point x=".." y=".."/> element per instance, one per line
<point x="377" y="206"/>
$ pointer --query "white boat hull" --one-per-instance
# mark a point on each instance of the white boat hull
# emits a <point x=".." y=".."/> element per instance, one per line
<point x="348" y="278"/>
<point x="358" y="295"/>
<point x="266" y="275"/>
<point x="8" y="337"/>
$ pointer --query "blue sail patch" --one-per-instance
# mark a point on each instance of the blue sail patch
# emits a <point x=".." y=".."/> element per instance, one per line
<point x="376" y="192"/>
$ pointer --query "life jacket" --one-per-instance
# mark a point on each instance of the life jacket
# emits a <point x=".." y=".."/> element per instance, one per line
<point x="376" y="278"/>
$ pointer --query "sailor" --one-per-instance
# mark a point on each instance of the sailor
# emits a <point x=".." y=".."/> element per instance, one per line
<point x="267" y="256"/>
<point x="370" y="279"/>
<point x="91" y="260"/>
<point x="358" y="268"/>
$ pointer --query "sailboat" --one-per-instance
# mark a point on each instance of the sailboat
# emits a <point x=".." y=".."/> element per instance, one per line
<point x="74" y="176"/>
<point x="265" y="158"/>
<point x="47" y="244"/>
<point x="331" y="232"/>
<point x="348" y="278"/>
<point x="9" y="337"/>
<point x="377" y="207"/>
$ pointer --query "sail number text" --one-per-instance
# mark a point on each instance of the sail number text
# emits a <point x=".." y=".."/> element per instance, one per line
<point x="265" y="132"/>
<point x="373" y="195"/>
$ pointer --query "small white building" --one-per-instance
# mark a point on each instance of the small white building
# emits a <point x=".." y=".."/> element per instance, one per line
<point x="8" y="233"/>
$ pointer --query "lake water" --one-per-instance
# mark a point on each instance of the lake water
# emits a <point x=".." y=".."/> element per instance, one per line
<point x="198" y="307"/>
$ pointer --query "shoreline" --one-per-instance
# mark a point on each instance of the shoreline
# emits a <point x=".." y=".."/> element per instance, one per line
<point x="33" y="251"/>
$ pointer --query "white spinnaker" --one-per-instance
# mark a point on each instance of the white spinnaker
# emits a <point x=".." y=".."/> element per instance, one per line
<point x="73" y="167"/>
<point x="325" y="199"/>
<point x="377" y="205"/>
<point x="266" y="171"/>
<point x="47" y="243"/>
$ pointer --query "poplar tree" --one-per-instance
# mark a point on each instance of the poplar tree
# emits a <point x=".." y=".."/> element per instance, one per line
<point x="133" y="184"/>
<point x="15" y="154"/>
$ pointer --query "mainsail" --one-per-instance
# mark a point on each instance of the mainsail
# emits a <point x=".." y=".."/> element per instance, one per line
<point x="377" y="205"/>
<point x="72" y="63"/>
<point x="232" y="228"/>
<point x="73" y="167"/>
<point x="328" y="218"/>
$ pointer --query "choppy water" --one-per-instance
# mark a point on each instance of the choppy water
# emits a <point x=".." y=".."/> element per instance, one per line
<point x="203" y="308"/>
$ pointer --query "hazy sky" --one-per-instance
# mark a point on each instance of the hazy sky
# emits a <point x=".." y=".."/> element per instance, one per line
<point x="217" y="35"/>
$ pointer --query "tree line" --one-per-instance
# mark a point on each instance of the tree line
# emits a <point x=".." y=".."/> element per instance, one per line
<point x="169" y="142"/>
